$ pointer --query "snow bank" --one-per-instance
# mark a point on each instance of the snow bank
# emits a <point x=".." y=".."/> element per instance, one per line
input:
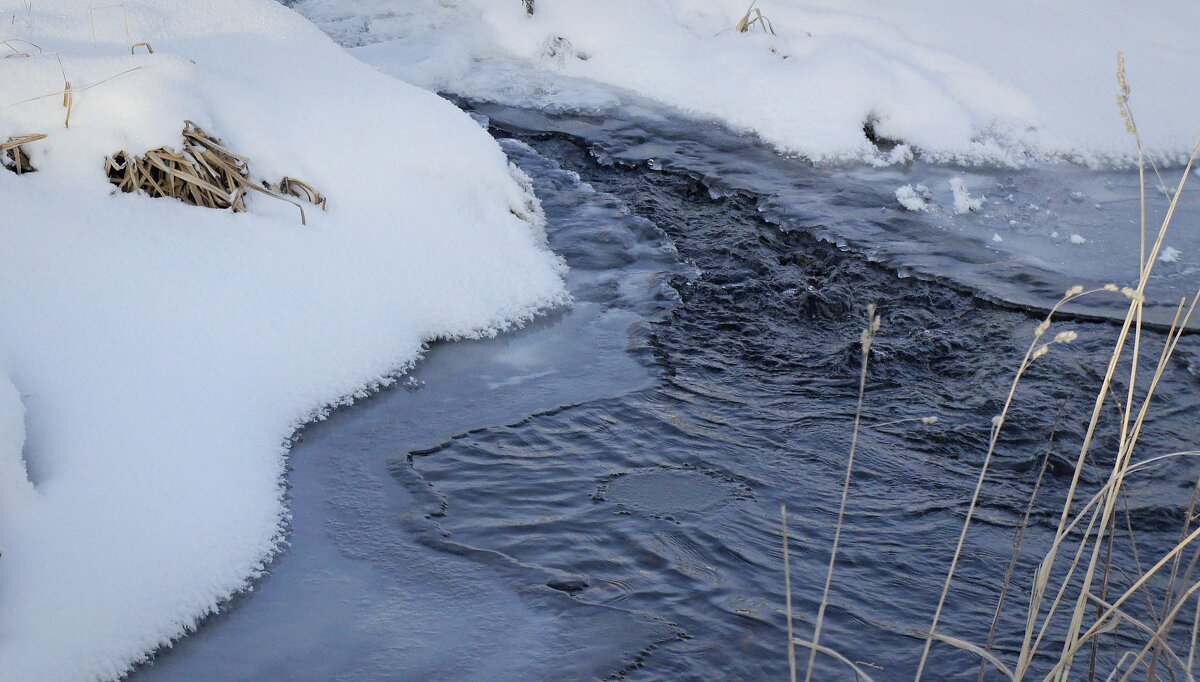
<point x="982" y="82"/>
<point x="165" y="353"/>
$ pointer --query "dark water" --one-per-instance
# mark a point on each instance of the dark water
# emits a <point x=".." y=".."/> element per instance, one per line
<point x="1019" y="249"/>
<point x="599" y="496"/>
<point x="667" y="499"/>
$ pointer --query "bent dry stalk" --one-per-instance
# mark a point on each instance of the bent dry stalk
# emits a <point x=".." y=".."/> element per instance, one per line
<point x="1100" y="510"/>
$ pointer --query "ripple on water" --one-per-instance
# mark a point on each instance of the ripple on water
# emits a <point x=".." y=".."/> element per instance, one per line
<point x="666" y="492"/>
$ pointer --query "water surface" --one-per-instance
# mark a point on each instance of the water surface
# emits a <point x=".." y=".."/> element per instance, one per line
<point x="598" y="495"/>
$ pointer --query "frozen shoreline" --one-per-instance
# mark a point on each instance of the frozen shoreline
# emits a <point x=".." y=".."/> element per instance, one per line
<point x="976" y="83"/>
<point x="368" y="586"/>
<point x="164" y="353"/>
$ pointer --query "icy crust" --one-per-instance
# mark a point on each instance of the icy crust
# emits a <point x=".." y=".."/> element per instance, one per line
<point x="983" y="83"/>
<point x="165" y="354"/>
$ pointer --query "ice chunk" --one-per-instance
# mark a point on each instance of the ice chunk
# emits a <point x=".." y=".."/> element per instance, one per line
<point x="913" y="198"/>
<point x="963" y="201"/>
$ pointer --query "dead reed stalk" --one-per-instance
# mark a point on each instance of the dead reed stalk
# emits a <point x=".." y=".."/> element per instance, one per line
<point x="203" y="173"/>
<point x="17" y="160"/>
<point x="1100" y="510"/>
<point x="868" y="336"/>
<point x="1064" y="598"/>
<point x="752" y="17"/>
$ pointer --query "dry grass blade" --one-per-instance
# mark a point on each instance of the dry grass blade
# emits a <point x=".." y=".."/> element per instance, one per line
<point x="203" y="173"/>
<point x="67" y="87"/>
<point x="817" y="648"/>
<point x="868" y="336"/>
<point x="787" y="592"/>
<point x="1156" y="636"/>
<point x="133" y="48"/>
<point x="1018" y="540"/>
<point x="301" y="190"/>
<point x="16" y="157"/>
<point x="16" y="52"/>
<point x="754" y="16"/>
<point x="1037" y="348"/>
<point x="975" y="649"/>
<point x="68" y="102"/>
<point x="124" y="12"/>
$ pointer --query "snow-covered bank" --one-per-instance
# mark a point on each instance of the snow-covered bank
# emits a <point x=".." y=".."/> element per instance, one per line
<point x="998" y="82"/>
<point x="164" y="353"/>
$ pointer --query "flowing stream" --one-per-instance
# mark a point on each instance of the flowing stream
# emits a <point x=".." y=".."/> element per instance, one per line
<point x="598" y="495"/>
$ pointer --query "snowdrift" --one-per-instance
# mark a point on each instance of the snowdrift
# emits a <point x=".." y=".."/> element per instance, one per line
<point x="1003" y="83"/>
<point x="160" y="354"/>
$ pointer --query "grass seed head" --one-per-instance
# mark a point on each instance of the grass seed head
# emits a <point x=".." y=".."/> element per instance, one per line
<point x="1123" y="96"/>
<point x="1132" y="294"/>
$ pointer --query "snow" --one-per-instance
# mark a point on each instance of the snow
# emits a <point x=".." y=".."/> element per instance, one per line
<point x="1170" y="254"/>
<point x="164" y="354"/>
<point x="15" y="488"/>
<point x="998" y="83"/>
<point x="1078" y="239"/>
<point x="963" y="201"/>
<point x="913" y="198"/>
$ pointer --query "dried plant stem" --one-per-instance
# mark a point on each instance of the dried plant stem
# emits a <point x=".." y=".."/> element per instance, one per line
<point x="1168" y="600"/>
<point x="204" y="173"/>
<point x="754" y="16"/>
<point x="60" y="93"/>
<point x="1136" y="296"/>
<point x="13" y="149"/>
<point x="1101" y="622"/>
<point x="1035" y="348"/>
<point x="1124" y="454"/>
<point x="787" y="592"/>
<point x="125" y="13"/>
<point x="859" y="673"/>
<point x="1018" y="539"/>
<point x="868" y="335"/>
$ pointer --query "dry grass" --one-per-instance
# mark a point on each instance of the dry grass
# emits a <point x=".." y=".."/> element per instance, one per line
<point x="16" y="51"/>
<point x="1077" y="597"/>
<point x="203" y="173"/>
<point x="867" y="337"/>
<point x="754" y="17"/>
<point x="14" y="156"/>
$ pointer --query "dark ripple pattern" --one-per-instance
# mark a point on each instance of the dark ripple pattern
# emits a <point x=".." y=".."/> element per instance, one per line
<point x="760" y="365"/>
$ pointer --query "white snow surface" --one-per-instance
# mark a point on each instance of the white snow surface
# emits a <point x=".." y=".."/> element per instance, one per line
<point x="15" y="488"/>
<point x="164" y="354"/>
<point x="980" y="82"/>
